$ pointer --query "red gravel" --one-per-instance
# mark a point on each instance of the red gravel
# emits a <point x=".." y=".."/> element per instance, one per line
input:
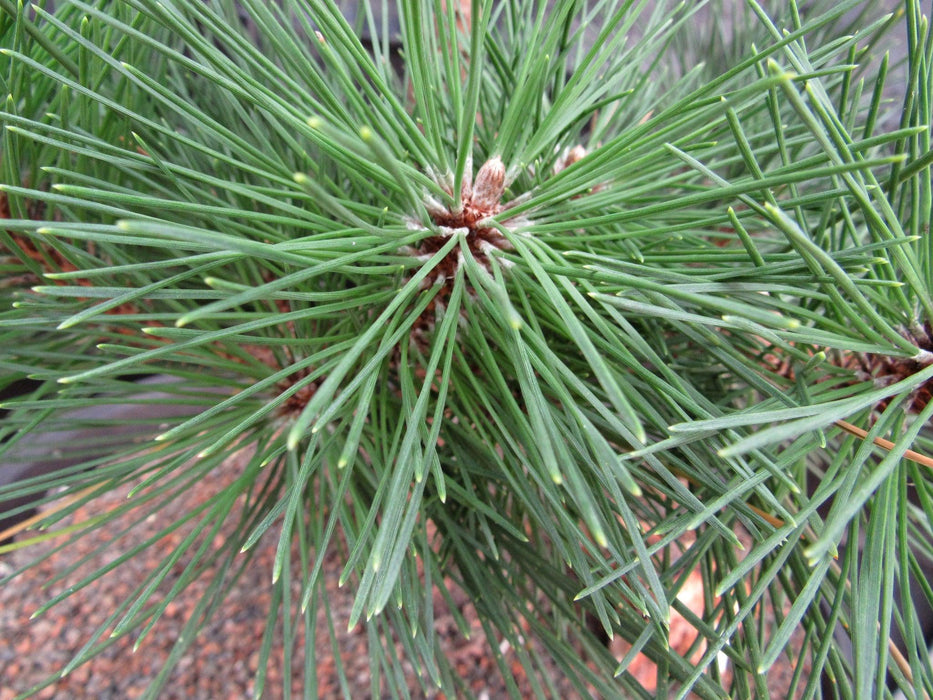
<point x="223" y="660"/>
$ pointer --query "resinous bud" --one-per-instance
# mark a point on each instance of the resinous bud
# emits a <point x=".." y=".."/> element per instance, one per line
<point x="489" y="184"/>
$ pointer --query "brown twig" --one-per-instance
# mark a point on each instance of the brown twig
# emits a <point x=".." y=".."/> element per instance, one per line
<point x="886" y="444"/>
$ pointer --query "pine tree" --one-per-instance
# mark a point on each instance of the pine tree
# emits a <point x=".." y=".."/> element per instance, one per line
<point x="563" y="304"/>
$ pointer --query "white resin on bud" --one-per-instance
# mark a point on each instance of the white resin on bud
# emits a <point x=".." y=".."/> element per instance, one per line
<point x="489" y="185"/>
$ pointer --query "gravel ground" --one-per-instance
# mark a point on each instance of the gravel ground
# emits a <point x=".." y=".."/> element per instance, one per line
<point x="223" y="659"/>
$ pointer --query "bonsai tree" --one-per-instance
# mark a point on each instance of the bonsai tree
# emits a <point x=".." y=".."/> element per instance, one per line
<point x="563" y="305"/>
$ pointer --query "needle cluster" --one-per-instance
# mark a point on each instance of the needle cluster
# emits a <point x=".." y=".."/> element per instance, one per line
<point x="653" y="342"/>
